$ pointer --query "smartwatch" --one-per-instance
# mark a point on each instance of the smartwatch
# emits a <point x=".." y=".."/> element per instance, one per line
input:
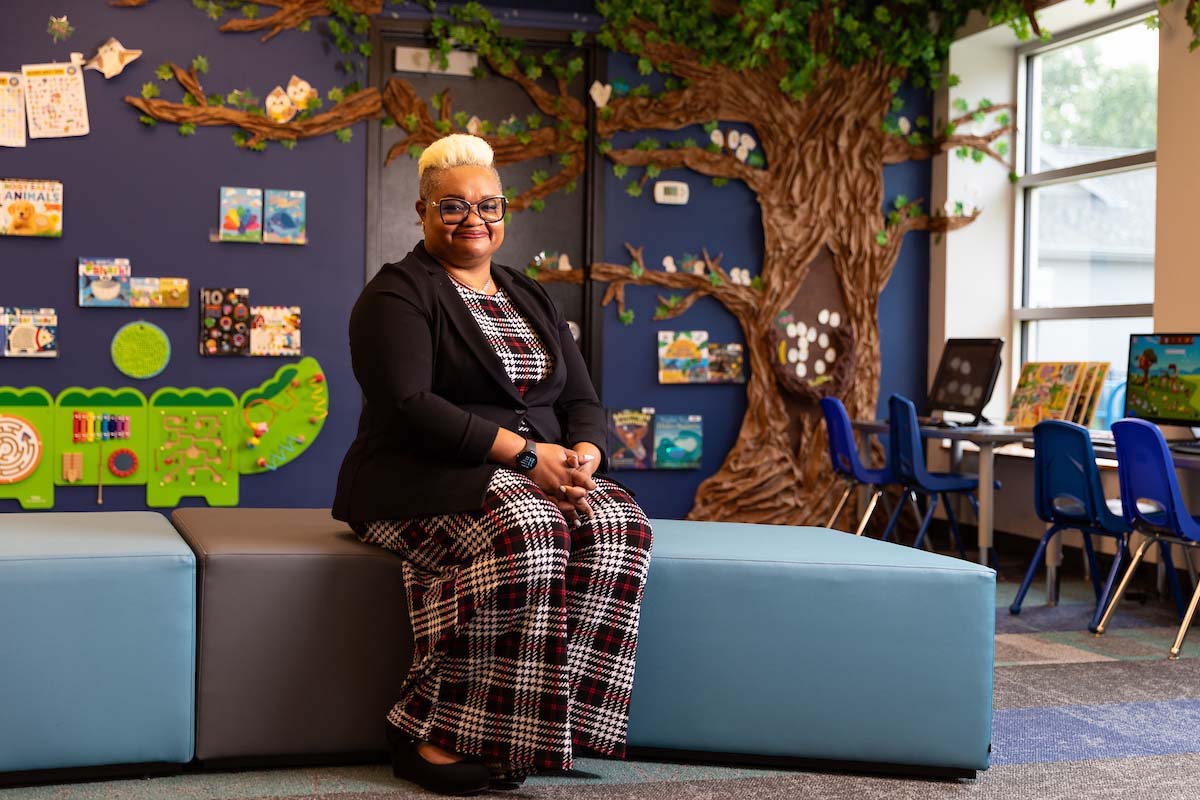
<point x="527" y="459"/>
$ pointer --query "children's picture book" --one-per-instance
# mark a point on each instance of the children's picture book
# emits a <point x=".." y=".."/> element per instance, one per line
<point x="12" y="110"/>
<point x="683" y="356"/>
<point x="726" y="363"/>
<point x="678" y="441"/>
<point x="174" y="292"/>
<point x="55" y="101"/>
<point x="145" y="293"/>
<point x="104" y="282"/>
<point x="224" y="322"/>
<point x="1045" y="390"/>
<point x="31" y="207"/>
<point x="30" y="332"/>
<point x="284" y="217"/>
<point x="1086" y="409"/>
<point x="631" y="438"/>
<point x="275" y="331"/>
<point x="241" y="214"/>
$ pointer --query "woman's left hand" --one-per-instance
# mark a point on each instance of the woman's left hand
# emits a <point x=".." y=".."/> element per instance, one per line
<point x="589" y="462"/>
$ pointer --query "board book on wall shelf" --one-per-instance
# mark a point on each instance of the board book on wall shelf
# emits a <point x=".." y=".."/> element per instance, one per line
<point x="224" y="322"/>
<point x="29" y="332"/>
<point x="284" y="217"/>
<point x="275" y="330"/>
<point x="31" y="208"/>
<point x="631" y="438"/>
<point x="683" y="356"/>
<point x="104" y="282"/>
<point x="678" y="441"/>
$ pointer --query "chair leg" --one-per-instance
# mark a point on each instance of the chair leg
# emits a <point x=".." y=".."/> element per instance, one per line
<point x="933" y="503"/>
<point x="1191" y="568"/>
<point x="895" y="517"/>
<point x="1089" y="553"/>
<point x="1187" y="620"/>
<point x="1015" y="608"/>
<point x="1172" y="576"/>
<point x="1116" y="598"/>
<point x="862" y="524"/>
<point x="954" y="527"/>
<point x="1102" y="602"/>
<point x="837" y="512"/>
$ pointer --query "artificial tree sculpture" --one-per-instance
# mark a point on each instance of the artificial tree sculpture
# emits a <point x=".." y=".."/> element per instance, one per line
<point x="818" y="84"/>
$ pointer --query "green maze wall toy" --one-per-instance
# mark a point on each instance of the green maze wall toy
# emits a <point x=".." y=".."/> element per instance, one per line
<point x="100" y="437"/>
<point x="282" y="417"/>
<point x="192" y="438"/>
<point x="27" y="446"/>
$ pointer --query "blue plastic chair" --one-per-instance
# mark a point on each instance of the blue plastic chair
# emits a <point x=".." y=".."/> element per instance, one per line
<point x="1068" y="496"/>
<point x="1153" y="507"/>
<point x="843" y="455"/>
<point x="906" y="458"/>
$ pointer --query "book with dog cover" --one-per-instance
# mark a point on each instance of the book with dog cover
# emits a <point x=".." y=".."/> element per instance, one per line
<point x="31" y="208"/>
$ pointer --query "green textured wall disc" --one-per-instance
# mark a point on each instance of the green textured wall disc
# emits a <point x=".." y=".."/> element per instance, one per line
<point x="141" y="350"/>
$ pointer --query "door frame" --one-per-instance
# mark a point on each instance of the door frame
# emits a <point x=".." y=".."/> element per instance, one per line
<point x="414" y="32"/>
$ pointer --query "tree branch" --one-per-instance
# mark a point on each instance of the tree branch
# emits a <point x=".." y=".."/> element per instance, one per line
<point x="716" y="165"/>
<point x="293" y="14"/>
<point x="355" y="108"/>
<point x="897" y="149"/>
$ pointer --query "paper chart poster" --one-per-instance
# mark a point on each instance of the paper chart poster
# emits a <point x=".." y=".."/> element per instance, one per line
<point x="12" y="110"/>
<point x="55" y="100"/>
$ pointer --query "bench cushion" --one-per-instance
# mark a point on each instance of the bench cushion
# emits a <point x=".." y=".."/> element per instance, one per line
<point x="304" y="636"/>
<point x="97" y="630"/>
<point x="813" y="644"/>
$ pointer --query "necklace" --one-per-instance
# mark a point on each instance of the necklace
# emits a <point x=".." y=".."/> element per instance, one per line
<point x="465" y="285"/>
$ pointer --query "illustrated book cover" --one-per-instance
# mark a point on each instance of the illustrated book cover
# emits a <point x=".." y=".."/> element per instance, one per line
<point x="284" y="217"/>
<point x="30" y="332"/>
<point x="683" y="356"/>
<point x="224" y="322"/>
<point x="631" y="438"/>
<point x="104" y="282"/>
<point x="275" y="331"/>
<point x="31" y="208"/>
<point x="241" y="214"/>
<point x="678" y="441"/>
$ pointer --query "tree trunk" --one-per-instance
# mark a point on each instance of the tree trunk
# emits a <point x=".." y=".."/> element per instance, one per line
<point x="826" y="188"/>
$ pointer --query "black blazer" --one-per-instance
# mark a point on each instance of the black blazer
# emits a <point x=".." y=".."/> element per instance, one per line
<point x="435" y="393"/>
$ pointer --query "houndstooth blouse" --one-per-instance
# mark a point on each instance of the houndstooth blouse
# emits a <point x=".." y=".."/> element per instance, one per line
<point x="526" y="360"/>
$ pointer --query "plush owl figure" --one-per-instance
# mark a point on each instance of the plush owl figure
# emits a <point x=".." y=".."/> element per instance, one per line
<point x="280" y="107"/>
<point x="301" y="92"/>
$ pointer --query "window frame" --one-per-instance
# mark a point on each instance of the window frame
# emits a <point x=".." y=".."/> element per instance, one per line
<point x="1022" y="314"/>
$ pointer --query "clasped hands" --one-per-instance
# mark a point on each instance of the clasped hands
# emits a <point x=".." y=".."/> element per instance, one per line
<point x="565" y="475"/>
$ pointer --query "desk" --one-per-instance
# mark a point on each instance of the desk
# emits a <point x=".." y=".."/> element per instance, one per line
<point x="986" y="438"/>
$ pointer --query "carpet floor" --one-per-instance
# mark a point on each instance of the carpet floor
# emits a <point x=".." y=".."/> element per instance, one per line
<point x="1076" y="717"/>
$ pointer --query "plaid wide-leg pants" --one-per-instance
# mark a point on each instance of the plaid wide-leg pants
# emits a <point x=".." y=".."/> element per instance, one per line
<point x="525" y="629"/>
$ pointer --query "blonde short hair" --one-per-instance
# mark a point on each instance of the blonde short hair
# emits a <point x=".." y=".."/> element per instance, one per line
<point x="455" y="150"/>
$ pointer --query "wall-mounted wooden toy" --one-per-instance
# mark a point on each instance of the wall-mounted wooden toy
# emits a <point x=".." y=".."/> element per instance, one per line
<point x="26" y="444"/>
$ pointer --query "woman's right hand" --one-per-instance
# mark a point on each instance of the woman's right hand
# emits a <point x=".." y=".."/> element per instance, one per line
<point x="556" y="475"/>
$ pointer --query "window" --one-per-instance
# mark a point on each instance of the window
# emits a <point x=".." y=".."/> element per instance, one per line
<point x="1087" y="266"/>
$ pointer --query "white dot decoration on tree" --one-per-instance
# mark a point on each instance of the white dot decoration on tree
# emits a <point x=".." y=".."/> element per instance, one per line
<point x="819" y="367"/>
<point x="793" y="355"/>
<point x="823" y="316"/>
<point x="791" y="329"/>
<point x="831" y="355"/>
<point x="823" y="340"/>
<point x="812" y="334"/>
<point x="835" y="319"/>
<point x="802" y="370"/>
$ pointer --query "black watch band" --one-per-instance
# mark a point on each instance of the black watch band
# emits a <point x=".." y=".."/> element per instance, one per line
<point x="527" y="459"/>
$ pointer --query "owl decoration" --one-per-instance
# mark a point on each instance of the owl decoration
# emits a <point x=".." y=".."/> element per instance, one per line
<point x="112" y="58"/>
<point x="300" y="92"/>
<point x="280" y="107"/>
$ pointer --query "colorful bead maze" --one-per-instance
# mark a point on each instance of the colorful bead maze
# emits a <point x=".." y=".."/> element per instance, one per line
<point x="90" y="426"/>
<point x="26" y="446"/>
<point x="282" y="417"/>
<point x="192" y="434"/>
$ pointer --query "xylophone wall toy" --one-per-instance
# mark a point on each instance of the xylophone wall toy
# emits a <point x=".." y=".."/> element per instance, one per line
<point x="102" y="438"/>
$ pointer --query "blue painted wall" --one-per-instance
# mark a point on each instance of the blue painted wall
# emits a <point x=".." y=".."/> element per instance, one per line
<point x="152" y="197"/>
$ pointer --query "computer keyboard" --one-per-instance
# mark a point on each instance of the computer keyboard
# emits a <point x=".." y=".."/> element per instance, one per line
<point x="1186" y="448"/>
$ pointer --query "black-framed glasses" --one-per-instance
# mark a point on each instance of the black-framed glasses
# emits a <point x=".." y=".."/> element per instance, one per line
<point x="454" y="210"/>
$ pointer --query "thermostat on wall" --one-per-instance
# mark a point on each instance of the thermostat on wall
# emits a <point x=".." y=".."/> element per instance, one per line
<point x="671" y="193"/>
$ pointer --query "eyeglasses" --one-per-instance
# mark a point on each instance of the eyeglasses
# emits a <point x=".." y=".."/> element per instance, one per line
<point x="454" y="211"/>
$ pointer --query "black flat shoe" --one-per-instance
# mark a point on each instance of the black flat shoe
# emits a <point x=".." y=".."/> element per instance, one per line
<point x="504" y="779"/>
<point x="464" y="777"/>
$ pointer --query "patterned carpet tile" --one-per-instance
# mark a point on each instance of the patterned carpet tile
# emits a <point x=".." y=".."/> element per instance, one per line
<point x="1091" y="683"/>
<point x="1112" y="730"/>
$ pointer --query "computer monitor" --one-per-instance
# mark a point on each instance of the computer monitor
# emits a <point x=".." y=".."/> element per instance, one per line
<point x="966" y="376"/>
<point x="1164" y="378"/>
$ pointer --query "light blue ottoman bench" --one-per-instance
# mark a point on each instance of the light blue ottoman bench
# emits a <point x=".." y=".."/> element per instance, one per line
<point x="814" y="645"/>
<point x="97" y="631"/>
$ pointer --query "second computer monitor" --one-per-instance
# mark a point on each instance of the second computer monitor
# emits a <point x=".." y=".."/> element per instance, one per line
<point x="1164" y="378"/>
<point x="966" y="376"/>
